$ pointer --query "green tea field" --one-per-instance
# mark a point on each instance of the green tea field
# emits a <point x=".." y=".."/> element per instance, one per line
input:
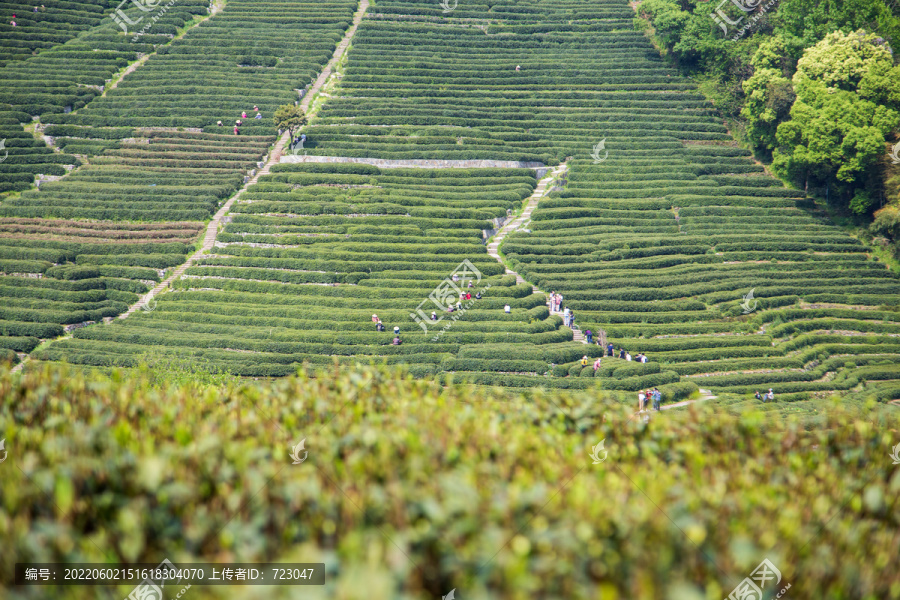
<point x="453" y="244"/>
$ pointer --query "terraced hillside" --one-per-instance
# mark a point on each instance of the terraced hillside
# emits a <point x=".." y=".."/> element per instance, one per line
<point x="82" y="247"/>
<point x="659" y="255"/>
<point x="656" y="237"/>
<point x="53" y="23"/>
<point x="424" y="84"/>
<point x="313" y="251"/>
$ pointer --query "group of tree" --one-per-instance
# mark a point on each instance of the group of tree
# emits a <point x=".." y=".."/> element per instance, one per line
<point x="814" y="82"/>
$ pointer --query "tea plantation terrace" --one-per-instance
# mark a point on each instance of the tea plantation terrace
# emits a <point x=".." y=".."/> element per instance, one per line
<point x="152" y="164"/>
<point x="656" y="239"/>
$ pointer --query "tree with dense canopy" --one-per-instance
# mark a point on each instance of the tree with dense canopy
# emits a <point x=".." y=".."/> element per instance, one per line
<point x="847" y="89"/>
<point x="290" y="117"/>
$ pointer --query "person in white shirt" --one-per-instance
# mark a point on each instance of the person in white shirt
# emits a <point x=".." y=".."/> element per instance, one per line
<point x="627" y="356"/>
<point x="507" y="309"/>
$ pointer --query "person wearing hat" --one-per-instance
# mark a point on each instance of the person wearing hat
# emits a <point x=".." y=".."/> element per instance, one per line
<point x="434" y="316"/>
<point x="379" y="326"/>
<point x="770" y="396"/>
<point x="374" y="318"/>
<point x="396" y="330"/>
<point x="397" y="341"/>
<point x="584" y="360"/>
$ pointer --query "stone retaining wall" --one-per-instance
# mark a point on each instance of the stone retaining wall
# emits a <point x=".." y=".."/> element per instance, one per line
<point x="420" y="163"/>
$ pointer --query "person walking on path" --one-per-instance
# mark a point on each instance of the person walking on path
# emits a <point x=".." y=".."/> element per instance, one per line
<point x="657" y="399"/>
<point x="609" y="349"/>
<point x="590" y="336"/>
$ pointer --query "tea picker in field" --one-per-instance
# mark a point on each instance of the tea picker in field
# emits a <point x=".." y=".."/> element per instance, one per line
<point x="396" y="330"/>
<point x="770" y="395"/>
<point x="597" y="364"/>
<point x="397" y="341"/>
<point x="374" y="318"/>
<point x="609" y="349"/>
<point x="507" y="309"/>
<point x="584" y="360"/>
<point x="379" y="326"/>
<point x="758" y="396"/>
<point x="622" y="353"/>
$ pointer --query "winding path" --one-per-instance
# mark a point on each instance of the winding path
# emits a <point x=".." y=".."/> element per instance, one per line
<point x="518" y="223"/>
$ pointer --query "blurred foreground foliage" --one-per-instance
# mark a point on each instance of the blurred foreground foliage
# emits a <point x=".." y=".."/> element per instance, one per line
<point x="411" y="489"/>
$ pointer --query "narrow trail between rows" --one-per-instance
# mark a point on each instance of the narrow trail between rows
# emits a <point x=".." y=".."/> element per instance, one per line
<point x="519" y="223"/>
